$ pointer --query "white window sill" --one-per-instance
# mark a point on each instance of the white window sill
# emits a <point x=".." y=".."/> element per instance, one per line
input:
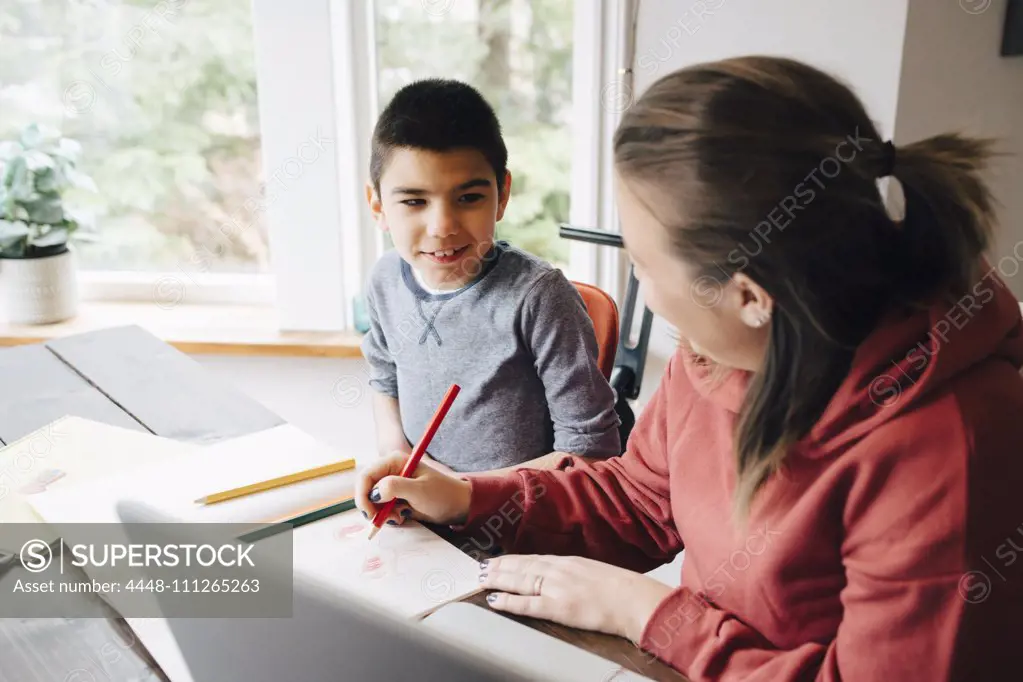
<point x="193" y="328"/>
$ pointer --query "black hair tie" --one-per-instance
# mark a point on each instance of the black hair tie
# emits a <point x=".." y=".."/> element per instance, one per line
<point x="887" y="160"/>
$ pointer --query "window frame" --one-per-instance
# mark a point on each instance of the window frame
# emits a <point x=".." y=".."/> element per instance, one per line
<point x="168" y="288"/>
<point x="602" y="80"/>
<point x="314" y="288"/>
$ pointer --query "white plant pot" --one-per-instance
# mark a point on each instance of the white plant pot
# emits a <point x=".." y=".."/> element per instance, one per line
<point x="38" y="290"/>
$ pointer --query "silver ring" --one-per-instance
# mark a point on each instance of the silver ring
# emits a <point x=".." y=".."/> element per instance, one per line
<point x="537" y="583"/>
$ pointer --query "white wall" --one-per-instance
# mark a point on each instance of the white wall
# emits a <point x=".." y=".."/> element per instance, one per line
<point x="953" y="79"/>
<point x="859" y="41"/>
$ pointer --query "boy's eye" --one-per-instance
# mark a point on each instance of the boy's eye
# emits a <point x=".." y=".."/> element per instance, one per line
<point x="471" y="198"/>
<point x="413" y="202"/>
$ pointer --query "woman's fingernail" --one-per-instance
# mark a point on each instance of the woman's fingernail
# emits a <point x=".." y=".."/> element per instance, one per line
<point x="365" y="515"/>
<point x="483" y="564"/>
<point x="374" y="495"/>
<point x="392" y="522"/>
<point x="483" y="577"/>
<point x="406" y="512"/>
<point x="491" y="598"/>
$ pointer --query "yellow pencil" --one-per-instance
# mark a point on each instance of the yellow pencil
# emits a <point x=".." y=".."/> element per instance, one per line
<point x="296" y="477"/>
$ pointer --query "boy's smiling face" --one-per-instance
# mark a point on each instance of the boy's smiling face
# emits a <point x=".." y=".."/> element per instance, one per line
<point x="441" y="209"/>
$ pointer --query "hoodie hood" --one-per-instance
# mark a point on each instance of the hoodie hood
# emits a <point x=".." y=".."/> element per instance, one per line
<point x="911" y="355"/>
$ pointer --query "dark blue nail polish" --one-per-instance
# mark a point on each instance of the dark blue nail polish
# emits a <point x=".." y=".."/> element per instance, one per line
<point x="483" y="564"/>
<point x="374" y="495"/>
<point x="392" y="522"/>
<point x="491" y="598"/>
<point x="406" y="512"/>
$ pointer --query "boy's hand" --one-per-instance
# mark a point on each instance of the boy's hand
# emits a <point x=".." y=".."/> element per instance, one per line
<point x="548" y="461"/>
<point x="428" y="495"/>
<point x="443" y="468"/>
<point x="390" y="435"/>
<point x="402" y="449"/>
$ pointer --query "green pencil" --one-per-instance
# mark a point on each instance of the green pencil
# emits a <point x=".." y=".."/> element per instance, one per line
<point x="300" y="520"/>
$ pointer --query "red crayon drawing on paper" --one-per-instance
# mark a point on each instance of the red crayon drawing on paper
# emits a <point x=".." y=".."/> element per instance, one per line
<point x="40" y="482"/>
<point x="345" y="532"/>
<point x="384" y="557"/>
<point x="372" y="564"/>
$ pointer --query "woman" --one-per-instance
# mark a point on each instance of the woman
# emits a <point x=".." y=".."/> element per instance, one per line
<point x="837" y="443"/>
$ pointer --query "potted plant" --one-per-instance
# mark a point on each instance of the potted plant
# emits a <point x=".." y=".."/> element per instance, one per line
<point x="38" y="282"/>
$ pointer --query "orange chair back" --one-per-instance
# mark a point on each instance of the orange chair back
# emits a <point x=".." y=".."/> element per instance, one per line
<point x="603" y="312"/>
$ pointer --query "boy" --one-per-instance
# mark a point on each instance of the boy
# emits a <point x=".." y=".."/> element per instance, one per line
<point x="450" y="305"/>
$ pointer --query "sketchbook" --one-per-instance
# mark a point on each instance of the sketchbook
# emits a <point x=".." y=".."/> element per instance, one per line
<point x="408" y="570"/>
<point x="174" y="483"/>
<point x="182" y="474"/>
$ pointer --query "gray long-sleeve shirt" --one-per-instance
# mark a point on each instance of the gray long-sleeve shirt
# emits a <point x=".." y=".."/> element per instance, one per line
<point x="519" y="343"/>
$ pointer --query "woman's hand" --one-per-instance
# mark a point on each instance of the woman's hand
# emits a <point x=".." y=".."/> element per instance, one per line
<point x="429" y="495"/>
<point x="577" y="592"/>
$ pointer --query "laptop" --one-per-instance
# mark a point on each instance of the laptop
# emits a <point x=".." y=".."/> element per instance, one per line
<point x="328" y="636"/>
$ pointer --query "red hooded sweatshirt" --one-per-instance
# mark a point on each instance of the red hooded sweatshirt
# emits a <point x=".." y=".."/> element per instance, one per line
<point x="889" y="549"/>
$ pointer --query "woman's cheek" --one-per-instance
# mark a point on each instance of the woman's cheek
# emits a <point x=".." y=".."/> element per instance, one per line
<point x="653" y="301"/>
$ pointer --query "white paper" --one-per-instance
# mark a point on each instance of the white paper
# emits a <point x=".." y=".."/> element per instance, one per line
<point x="173" y="484"/>
<point x="408" y="570"/>
<point x="68" y="451"/>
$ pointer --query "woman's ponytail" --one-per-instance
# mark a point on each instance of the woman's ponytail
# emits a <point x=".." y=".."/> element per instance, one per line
<point x="948" y="212"/>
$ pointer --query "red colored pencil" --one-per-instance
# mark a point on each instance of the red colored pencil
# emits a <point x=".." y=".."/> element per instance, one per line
<point x="417" y="454"/>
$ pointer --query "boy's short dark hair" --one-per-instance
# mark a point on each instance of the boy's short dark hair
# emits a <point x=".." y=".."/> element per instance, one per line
<point x="438" y="115"/>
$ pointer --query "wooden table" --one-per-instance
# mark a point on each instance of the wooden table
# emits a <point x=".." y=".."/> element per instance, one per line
<point x="126" y="377"/>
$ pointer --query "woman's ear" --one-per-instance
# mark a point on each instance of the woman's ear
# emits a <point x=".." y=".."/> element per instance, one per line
<point x="756" y="305"/>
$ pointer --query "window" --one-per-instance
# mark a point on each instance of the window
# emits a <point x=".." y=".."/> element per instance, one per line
<point x="229" y="139"/>
<point x="518" y="54"/>
<point x="510" y="49"/>
<point x="162" y="97"/>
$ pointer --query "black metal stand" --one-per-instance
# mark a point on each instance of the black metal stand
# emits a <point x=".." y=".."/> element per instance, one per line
<point x="630" y="360"/>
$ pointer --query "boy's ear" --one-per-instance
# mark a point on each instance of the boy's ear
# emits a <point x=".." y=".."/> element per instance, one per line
<point x="375" y="206"/>
<point x="505" y="193"/>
